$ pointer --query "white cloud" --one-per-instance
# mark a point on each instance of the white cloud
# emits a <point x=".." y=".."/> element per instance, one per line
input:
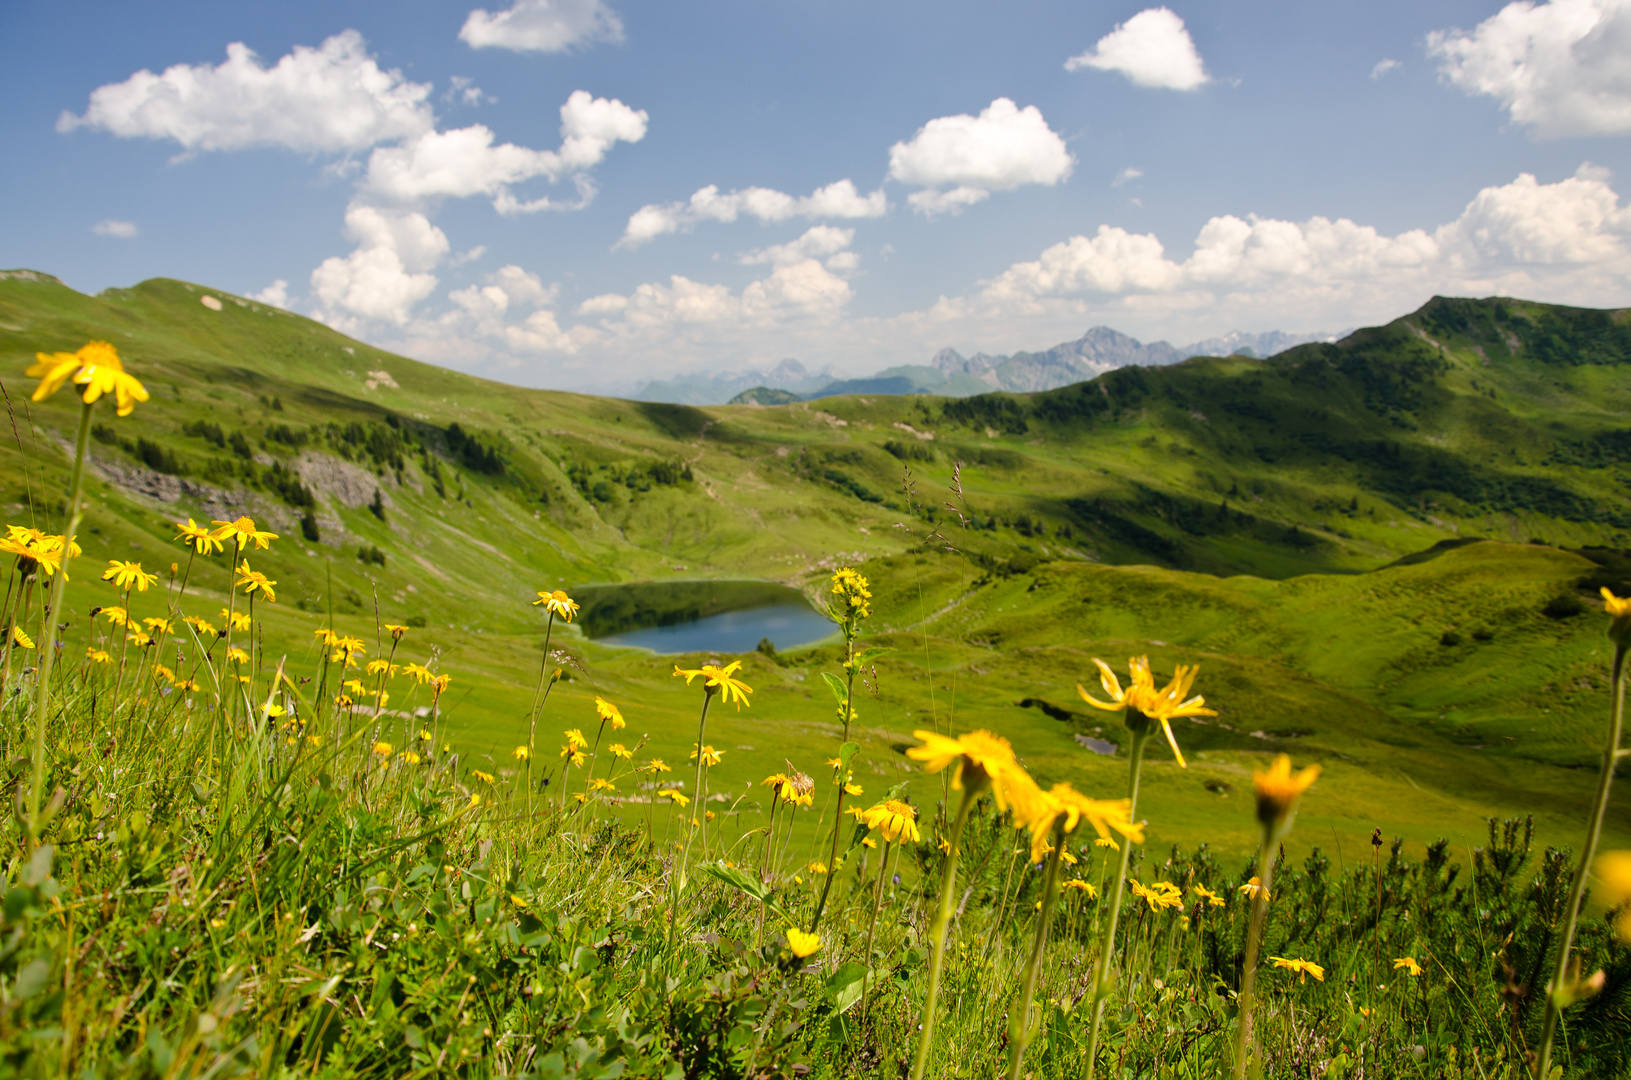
<point x="329" y="99"/>
<point x="1152" y="48"/>
<point x="1001" y="149"/>
<point x="124" y="230"/>
<point x="468" y="256"/>
<point x="275" y="294"/>
<point x="839" y="199"/>
<point x="1382" y="67"/>
<point x="1126" y="176"/>
<point x="818" y="242"/>
<point x="542" y="26"/>
<point x="1569" y="240"/>
<point x="796" y="291"/>
<point x="386" y="275"/>
<point x="1559" y="68"/>
<point x="464" y="89"/>
<point x="465" y="162"/>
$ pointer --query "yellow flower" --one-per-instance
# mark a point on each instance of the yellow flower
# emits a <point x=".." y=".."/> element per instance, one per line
<point x="410" y="757"/>
<point x="984" y="757"/>
<point x="1278" y="790"/>
<point x="137" y="638"/>
<point x="817" y="867"/>
<point x="475" y="798"/>
<point x="557" y="603"/>
<point x="1618" y="609"/>
<point x="1141" y="696"/>
<point x="195" y="535"/>
<point x="856" y="812"/>
<point x="853" y="592"/>
<point x="802" y="944"/>
<point x="203" y="626"/>
<point x="117" y="616"/>
<point x="158" y="625"/>
<point x="657" y="765"/>
<point x="326" y="637"/>
<point x="162" y="672"/>
<point x="354" y="686"/>
<point x="573" y="756"/>
<point x="607" y="711"/>
<point x="710" y="756"/>
<point x="419" y="673"/>
<point x="255" y="581"/>
<point x="1066" y="806"/>
<point x="521" y="753"/>
<point x="20" y="639"/>
<point x="894" y="820"/>
<point x="1207" y="895"/>
<point x="1304" y="968"/>
<point x="243" y="531"/>
<point x="574" y="737"/>
<point x="1407" y="964"/>
<point x="127" y="575"/>
<point x="867" y="841"/>
<point x="853" y="789"/>
<point x="600" y="783"/>
<point x="1107" y="842"/>
<point x="1163" y="894"/>
<point x="440" y="684"/>
<point x="1081" y="886"/>
<point x="383" y="749"/>
<point x="381" y="667"/>
<point x="238" y="619"/>
<point x="396" y="630"/>
<point x="97" y="656"/>
<point x="484" y="777"/>
<point x="774" y="781"/>
<point x="96" y="367"/>
<point x="621" y="752"/>
<point x="1613" y="869"/>
<point x="1253" y="887"/>
<point x="674" y="795"/>
<point x="720" y="679"/>
<point x="424" y="736"/>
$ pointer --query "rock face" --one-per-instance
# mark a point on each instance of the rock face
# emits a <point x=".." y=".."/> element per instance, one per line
<point x="349" y="485"/>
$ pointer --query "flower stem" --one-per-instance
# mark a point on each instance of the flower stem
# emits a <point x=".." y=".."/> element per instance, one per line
<point x="937" y="931"/>
<point x="1101" y="981"/>
<point x="1594" y="832"/>
<point x="1254" y="942"/>
<point x="841" y="780"/>
<point x="48" y="642"/>
<point x="872" y="926"/>
<point x="1019" y="1025"/>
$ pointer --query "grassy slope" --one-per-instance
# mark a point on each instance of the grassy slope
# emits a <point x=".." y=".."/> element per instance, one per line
<point x="1322" y="660"/>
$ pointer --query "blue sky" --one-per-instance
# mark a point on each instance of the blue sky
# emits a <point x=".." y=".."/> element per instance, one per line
<point x="589" y="193"/>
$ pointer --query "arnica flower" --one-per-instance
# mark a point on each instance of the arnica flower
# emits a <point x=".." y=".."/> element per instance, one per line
<point x="1408" y="965"/>
<point x="1253" y="887"/>
<point x="575" y="738"/>
<point x="817" y="867"/>
<point x="802" y="944"/>
<point x="254" y="581"/>
<point x="1278" y="790"/>
<point x="607" y="711"/>
<point x="158" y="625"/>
<point x="1618" y="609"/>
<point x="162" y="672"/>
<point x="196" y="536"/>
<point x="440" y="684"/>
<point x="1207" y="896"/>
<point x="20" y="639"/>
<point x="719" y="679"/>
<point x="97" y="656"/>
<point x="573" y="756"/>
<point x="675" y="795"/>
<point x="424" y="736"/>
<point x="985" y="758"/>
<point x="1161" y="895"/>
<point x="1303" y="968"/>
<point x="600" y="783"/>
<point x="893" y="820"/>
<point x="710" y="756"/>
<point x="1141" y="696"/>
<point x="138" y="639"/>
<point x="1613" y="869"/>
<point x="621" y="752"/>
<point x="202" y="625"/>
<point x="116" y="615"/>
<point x="396" y="630"/>
<point x="419" y="673"/>
<point x="657" y="765"/>
<point x="521" y="753"/>
<point x="1042" y="811"/>
<point x="774" y="781"/>
<point x="410" y="757"/>
<point x="1106" y="842"/>
<point x="326" y="637"/>
<point x="238" y="619"/>
<point x="96" y="367"/>
<point x="128" y="575"/>
<point x="1081" y="886"/>
<point x="484" y="777"/>
<point x="352" y="686"/>
<point x="244" y="532"/>
<point x="558" y="603"/>
<point x="383" y="749"/>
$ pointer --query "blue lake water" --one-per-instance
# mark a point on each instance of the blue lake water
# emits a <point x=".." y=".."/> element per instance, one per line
<point x="700" y="616"/>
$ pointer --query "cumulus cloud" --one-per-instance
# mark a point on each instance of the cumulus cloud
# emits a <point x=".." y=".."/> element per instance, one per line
<point x="465" y="162"/>
<point x="124" y="230"/>
<point x="275" y="294"/>
<point x="1382" y="67"/>
<point x="387" y="273"/>
<point x="794" y="291"/>
<point x="1002" y="148"/>
<point x="542" y="26"/>
<point x="1153" y="48"/>
<point x="1126" y="176"/>
<point x="839" y="199"/>
<point x="1569" y="239"/>
<point x="329" y="99"/>
<point x="1559" y="68"/>
<point x="826" y="242"/>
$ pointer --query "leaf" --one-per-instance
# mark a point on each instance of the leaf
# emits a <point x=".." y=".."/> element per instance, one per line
<point x="845" y="985"/>
<point x="39" y="865"/>
<point x="866" y="656"/>
<point x="847" y="754"/>
<point x="742" y="882"/>
<point x="839" y="690"/>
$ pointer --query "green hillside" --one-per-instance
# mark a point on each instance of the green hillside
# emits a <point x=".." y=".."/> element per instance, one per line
<point x="1274" y="519"/>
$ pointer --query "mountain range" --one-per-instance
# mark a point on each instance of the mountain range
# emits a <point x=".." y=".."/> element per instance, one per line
<point x="950" y="374"/>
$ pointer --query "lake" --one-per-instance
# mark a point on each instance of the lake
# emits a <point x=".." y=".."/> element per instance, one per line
<point x="700" y="616"/>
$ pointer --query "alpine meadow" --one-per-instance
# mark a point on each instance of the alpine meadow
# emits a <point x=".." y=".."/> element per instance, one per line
<point x="1233" y="717"/>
